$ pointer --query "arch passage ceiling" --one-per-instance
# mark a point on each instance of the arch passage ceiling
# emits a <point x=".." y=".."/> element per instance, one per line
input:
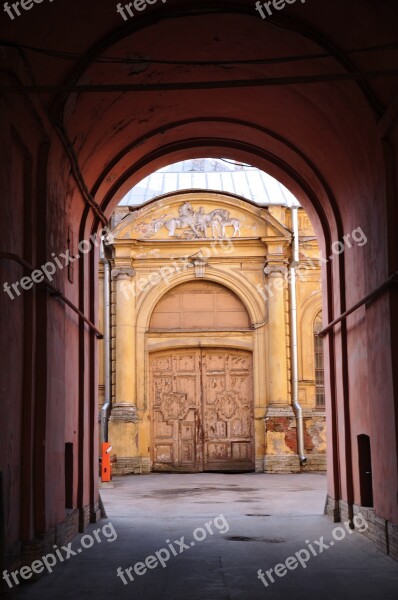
<point x="308" y="130"/>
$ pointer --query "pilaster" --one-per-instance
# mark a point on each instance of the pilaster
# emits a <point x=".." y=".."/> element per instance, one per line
<point x="123" y="428"/>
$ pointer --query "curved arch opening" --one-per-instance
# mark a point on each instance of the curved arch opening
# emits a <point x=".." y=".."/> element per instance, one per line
<point x="309" y="100"/>
<point x="209" y="269"/>
<point x="199" y="305"/>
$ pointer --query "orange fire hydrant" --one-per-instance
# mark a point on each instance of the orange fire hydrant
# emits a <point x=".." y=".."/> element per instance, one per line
<point x="106" y="469"/>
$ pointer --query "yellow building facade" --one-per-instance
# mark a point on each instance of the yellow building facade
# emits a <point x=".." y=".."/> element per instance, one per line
<point x="215" y="362"/>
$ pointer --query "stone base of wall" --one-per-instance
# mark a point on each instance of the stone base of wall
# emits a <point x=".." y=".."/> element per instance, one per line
<point x="346" y="512"/>
<point x="260" y="465"/>
<point x="339" y="510"/>
<point x="24" y="553"/>
<point x="131" y="465"/>
<point x="84" y="517"/>
<point x="315" y="462"/>
<point x="392" y="537"/>
<point x="11" y="560"/>
<point x="95" y="513"/>
<point x="382" y="533"/>
<point x="281" y="441"/>
<point x="70" y="527"/>
<point x="282" y="463"/>
<point x="60" y="535"/>
<point x="273" y="463"/>
<point x="332" y="509"/>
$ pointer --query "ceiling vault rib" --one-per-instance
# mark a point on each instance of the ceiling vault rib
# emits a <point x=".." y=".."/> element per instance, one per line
<point x="208" y="8"/>
<point x="199" y="85"/>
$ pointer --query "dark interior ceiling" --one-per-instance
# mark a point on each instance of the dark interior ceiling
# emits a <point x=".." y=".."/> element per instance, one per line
<point x="186" y="79"/>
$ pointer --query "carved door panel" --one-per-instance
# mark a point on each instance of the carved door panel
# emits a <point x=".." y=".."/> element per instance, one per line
<point x="176" y="406"/>
<point x="228" y="437"/>
<point x="202" y="410"/>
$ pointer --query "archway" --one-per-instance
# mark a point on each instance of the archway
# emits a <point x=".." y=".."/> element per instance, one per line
<point x="330" y="136"/>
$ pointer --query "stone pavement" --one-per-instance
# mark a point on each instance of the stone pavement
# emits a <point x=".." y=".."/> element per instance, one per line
<point x="269" y="518"/>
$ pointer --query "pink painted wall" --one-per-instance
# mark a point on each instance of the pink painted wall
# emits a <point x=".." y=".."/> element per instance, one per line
<point x="323" y="141"/>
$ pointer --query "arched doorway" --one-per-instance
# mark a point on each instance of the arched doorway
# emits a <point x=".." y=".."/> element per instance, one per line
<point x="201" y="398"/>
<point x="109" y="145"/>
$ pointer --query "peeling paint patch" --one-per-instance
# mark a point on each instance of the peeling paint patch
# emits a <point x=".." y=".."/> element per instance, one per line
<point x="315" y="434"/>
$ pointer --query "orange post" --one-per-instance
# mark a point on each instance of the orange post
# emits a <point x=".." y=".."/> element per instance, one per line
<point x="106" y="472"/>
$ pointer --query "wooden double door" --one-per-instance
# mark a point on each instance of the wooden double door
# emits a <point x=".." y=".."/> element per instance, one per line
<point x="202" y="410"/>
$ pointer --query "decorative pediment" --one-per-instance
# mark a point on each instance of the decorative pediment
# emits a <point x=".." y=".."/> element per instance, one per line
<point x="199" y="216"/>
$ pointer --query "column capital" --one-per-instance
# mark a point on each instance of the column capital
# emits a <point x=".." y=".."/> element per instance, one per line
<point x="280" y="268"/>
<point x="278" y="255"/>
<point x="122" y="273"/>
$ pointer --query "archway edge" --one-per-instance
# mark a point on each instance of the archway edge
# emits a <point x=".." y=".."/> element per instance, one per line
<point x="307" y="184"/>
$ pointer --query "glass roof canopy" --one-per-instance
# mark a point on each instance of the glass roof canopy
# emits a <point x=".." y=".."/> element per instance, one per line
<point x="212" y="174"/>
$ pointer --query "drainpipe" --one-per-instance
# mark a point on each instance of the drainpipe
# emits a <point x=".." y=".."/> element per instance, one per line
<point x="106" y="409"/>
<point x="293" y="337"/>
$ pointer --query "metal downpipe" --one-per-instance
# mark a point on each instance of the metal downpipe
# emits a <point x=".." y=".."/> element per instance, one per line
<point x="293" y="337"/>
<point x="107" y="406"/>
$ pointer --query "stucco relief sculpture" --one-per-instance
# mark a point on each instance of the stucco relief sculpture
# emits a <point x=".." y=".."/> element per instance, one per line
<point x="175" y="406"/>
<point x="196" y="224"/>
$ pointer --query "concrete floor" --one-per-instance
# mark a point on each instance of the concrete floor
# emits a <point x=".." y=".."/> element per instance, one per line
<point x="270" y="517"/>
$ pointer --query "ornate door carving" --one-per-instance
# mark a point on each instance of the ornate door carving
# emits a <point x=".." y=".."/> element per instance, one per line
<point x="202" y="410"/>
<point x="175" y="383"/>
<point x="228" y="440"/>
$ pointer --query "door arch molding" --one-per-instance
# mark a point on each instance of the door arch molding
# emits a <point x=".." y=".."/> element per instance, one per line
<point x="250" y="341"/>
<point x="243" y="288"/>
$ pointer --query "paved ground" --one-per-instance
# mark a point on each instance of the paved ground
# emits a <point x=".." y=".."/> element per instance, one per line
<point x="265" y="519"/>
